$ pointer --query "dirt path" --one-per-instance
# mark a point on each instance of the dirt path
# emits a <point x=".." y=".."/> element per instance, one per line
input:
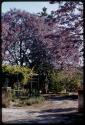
<point x="53" y="110"/>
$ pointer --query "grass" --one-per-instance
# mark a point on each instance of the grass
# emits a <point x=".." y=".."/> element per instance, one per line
<point x="29" y="101"/>
<point x="35" y="100"/>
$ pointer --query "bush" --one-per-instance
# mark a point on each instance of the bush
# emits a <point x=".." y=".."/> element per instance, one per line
<point x="72" y="83"/>
<point x="60" y="80"/>
<point x="57" y="87"/>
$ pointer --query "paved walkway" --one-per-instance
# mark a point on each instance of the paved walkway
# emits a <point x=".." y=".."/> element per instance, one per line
<point x="56" y="109"/>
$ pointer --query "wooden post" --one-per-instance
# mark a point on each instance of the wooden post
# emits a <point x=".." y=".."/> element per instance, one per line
<point x="38" y="84"/>
<point x="80" y="100"/>
<point x="31" y="85"/>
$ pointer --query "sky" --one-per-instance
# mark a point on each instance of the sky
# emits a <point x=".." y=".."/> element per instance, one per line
<point x="32" y="7"/>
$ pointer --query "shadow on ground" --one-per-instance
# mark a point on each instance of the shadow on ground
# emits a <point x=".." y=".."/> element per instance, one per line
<point x="65" y="110"/>
<point x="61" y="97"/>
<point x="52" y="116"/>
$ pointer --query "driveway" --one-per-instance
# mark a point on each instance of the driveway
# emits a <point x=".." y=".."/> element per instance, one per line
<point x="56" y="109"/>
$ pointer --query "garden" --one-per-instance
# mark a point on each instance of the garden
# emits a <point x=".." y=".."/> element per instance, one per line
<point x="24" y="85"/>
<point x="42" y="60"/>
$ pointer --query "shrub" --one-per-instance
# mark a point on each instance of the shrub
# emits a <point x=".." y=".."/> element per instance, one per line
<point x="72" y="83"/>
<point x="61" y="80"/>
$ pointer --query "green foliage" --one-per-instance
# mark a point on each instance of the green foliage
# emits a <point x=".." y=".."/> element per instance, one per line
<point x="72" y="83"/>
<point x="18" y="70"/>
<point x="61" y="80"/>
<point x="56" y="80"/>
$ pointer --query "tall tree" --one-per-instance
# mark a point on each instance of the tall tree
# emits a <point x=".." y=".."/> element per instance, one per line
<point x="23" y="43"/>
<point x="18" y="32"/>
